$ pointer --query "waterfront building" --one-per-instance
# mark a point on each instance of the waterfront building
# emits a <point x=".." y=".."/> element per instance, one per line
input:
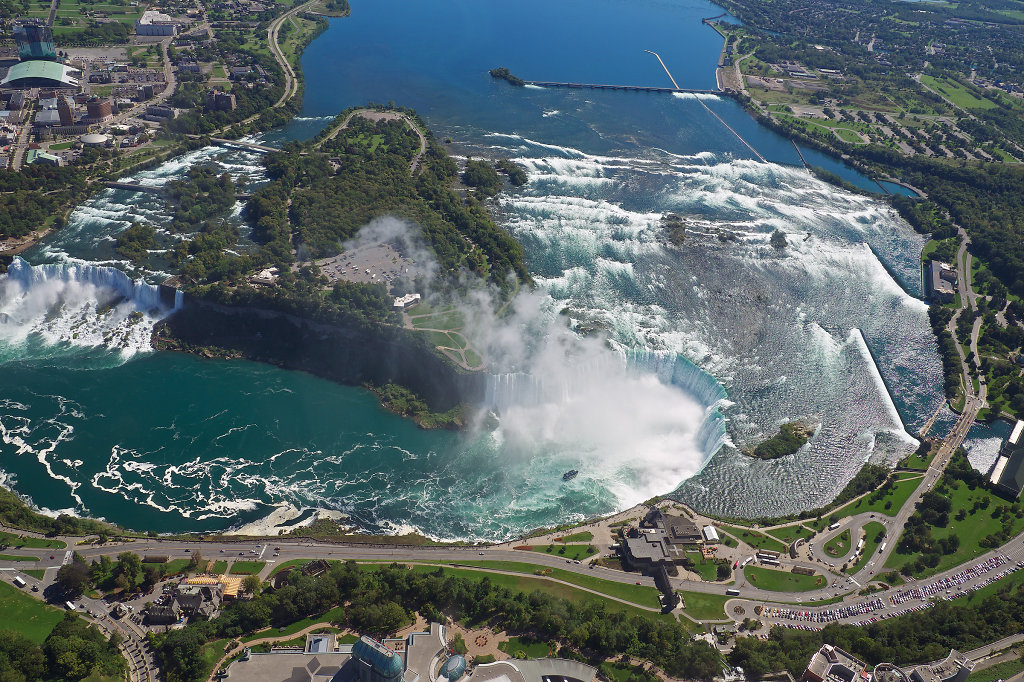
<point x="1007" y="474"/>
<point x="941" y="281"/>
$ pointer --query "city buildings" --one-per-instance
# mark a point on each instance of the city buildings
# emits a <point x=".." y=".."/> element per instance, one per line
<point x="34" y="39"/>
<point x="420" y="657"/>
<point x="153" y="23"/>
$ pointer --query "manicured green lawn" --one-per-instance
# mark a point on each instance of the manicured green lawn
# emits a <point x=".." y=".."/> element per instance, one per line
<point x="789" y="534"/>
<point x="755" y="538"/>
<point x="707" y="569"/>
<point x="15" y="557"/>
<point x="782" y="581"/>
<point x="957" y="93"/>
<point x="889" y="503"/>
<point x="21" y="613"/>
<point x="288" y="564"/>
<point x="572" y="552"/>
<point x="638" y="594"/>
<point x="528" y="647"/>
<point x="839" y="545"/>
<point x="975" y="526"/>
<point x="335" y="615"/>
<point x="12" y="541"/>
<point x="704" y="606"/>
<point x="530" y="584"/>
<point x="247" y="567"/>
<point x="219" y="567"/>
<point x="36" y="573"/>
<point x="999" y="671"/>
<point x="211" y="652"/>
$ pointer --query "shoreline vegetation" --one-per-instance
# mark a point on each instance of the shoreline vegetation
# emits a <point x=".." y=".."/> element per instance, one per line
<point x="791" y="437"/>
<point x="501" y="73"/>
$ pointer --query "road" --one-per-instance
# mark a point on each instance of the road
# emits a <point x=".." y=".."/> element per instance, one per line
<point x="291" y="82"/>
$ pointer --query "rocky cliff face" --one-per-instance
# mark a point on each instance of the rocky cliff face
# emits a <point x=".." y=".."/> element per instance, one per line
<point x="348" y="355"/>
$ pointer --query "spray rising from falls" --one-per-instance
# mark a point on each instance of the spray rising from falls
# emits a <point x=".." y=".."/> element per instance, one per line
<point x="79" y="305"/>
<point x="639" y="421"/>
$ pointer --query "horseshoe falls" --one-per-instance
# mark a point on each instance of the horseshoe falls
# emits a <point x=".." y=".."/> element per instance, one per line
<point x="647" y="363"/>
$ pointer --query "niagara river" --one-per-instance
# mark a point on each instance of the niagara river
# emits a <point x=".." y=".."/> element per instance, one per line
<point x="712" y="343"/>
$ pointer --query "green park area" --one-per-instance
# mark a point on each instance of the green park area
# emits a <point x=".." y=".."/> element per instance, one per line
<point x="13" y="541"/>
<point x="999" y="671"/>
<point x="886" y="500"/>
<point x="782" y="581"/>
<point x="839" y="545"/>
<point x="583" y="536"/>
<point x="570" y="552"/>
<point x="957" y="93"/>
<point x="957" y="523"/>
<point x="218" y="567"/>
<point x="521" y="647"/>
<point x="790" y="534"/>
<point x="335" y="615"/>
<point x="21" y="613"/>
<point x="755" y="539"/>
<point x="247" y="567"/>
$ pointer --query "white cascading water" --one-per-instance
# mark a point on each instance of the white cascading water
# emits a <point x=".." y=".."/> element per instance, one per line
<point x="641" y="421"/>
<point x="78" y="304"/>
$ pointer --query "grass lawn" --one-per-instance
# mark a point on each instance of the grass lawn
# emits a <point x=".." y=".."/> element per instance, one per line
<point x="638" y="594"/>
<point x="999" y="671"/>
<point x="895" y="497"/>
<point x="247" y="567"/>
<point x="289" y="564"/>
<point x="219" y="567"/>
<point x="871" y="531"/>
<point x="36" y="573"/>
<point x="704" y="606"/>
<point x="975" y="526"/>
<point x="789" y="534"/>
<point x="525" y="646"/>
<point x="572" y="552"/>
<point x="528" y="584"/>
<point x="756" y="539"/>
<point x="782" y="581"/>
<point x="211" y="652"/>
<point x="957" y="93"/>
<point x="585" y="536"/>
<point x="335" y="615"/>
<point x="839" y="545"/>
<point x="22" y="613"/>
<point x="707" y="569"/>
<point x="15" y="557"/>
<point x="12" y="541"/>
<point x="219" y="72"/>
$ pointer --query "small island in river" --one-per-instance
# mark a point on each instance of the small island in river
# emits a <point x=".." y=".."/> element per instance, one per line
<point x="506" y="75"/>
<point x="791" y="437"/>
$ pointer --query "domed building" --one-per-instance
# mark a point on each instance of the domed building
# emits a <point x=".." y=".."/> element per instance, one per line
<point x="376" y="662"/>
<point x="454" y="668"/>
